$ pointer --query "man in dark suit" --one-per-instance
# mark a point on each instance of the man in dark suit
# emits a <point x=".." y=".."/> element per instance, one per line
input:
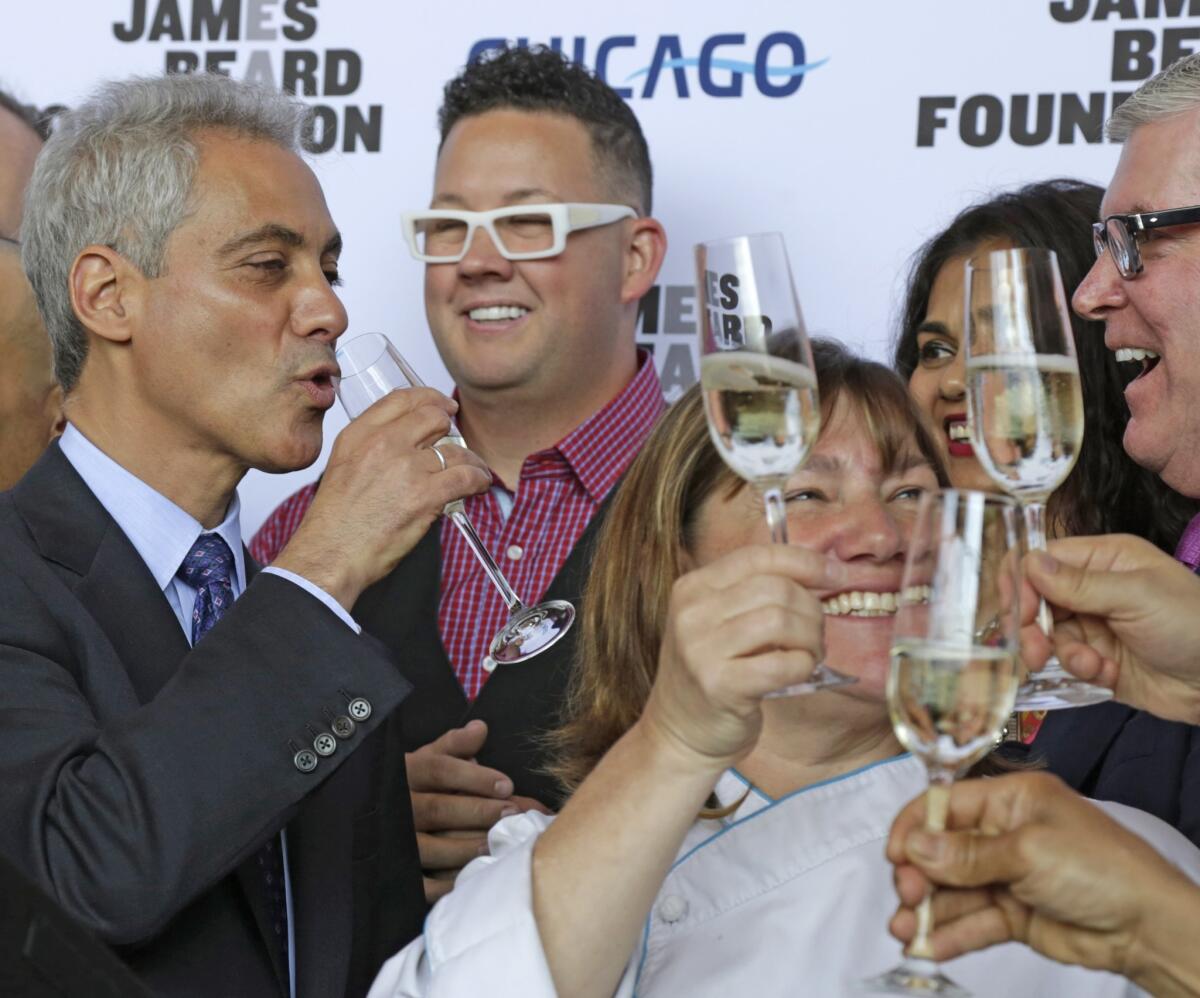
<point x="555" y="397"/>
<point x="1144" y="287"/>
<point x="192" y="760"/>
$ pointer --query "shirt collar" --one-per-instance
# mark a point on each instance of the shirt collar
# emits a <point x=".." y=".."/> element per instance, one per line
<point x="599" y="449"/>
<point x="160" y="532"/>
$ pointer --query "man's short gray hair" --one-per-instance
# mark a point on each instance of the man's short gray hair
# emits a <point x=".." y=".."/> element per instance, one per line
<point x="118" y="172"/>
<point x="1173" y="91"/>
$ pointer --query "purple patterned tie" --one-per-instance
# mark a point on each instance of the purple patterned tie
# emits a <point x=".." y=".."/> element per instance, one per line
<point x="1188" y="548"/>
<point x="208" y="568"/>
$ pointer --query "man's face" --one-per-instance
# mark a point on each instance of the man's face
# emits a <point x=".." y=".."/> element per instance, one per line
<point x="234" y="346"/>
<point x="19" y="146"/>
<point x="558" y="322"/>
<point x="30" y="399"/>
<point x="1159" y="310"/>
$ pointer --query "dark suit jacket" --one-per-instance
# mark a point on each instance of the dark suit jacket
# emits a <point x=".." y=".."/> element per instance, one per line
<point x="1113" y="752"/>
<point x="46" y="954"/>
<point x="137" y="775"/>
<point x="520" y="703"/>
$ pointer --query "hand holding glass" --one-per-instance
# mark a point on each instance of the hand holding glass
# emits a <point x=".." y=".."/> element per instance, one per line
<point x="756" y="369"/>
<point x="371" y="368"/>
<point x="954" y="668"/>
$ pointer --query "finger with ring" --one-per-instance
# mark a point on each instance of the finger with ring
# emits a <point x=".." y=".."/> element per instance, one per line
<point x="439" y="455"/>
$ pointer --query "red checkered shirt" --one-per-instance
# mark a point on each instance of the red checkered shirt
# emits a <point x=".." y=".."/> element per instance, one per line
<point x="558" y="491"/>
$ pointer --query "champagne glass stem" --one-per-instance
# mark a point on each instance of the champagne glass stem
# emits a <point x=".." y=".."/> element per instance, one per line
<point x="460" y="519"/>
<point x="1034" y="514"/>
<point x="776" y="515"/>
<point x="937" y="803"/>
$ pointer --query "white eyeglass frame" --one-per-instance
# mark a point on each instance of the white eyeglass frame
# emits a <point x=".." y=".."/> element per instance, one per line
<point x="565" y="218"/>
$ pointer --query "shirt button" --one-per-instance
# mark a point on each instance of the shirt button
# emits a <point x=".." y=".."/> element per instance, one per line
<point x="514" y="552"/>
<point x="305" y="760"/>
<point x="325" y="743"/>
<point x="672" y="908"/>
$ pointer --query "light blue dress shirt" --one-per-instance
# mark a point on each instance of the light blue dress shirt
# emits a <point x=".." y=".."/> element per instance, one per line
<point x="163" y="534"/>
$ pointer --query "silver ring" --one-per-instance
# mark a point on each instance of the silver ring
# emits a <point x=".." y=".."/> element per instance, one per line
<point x="439" y="455"/>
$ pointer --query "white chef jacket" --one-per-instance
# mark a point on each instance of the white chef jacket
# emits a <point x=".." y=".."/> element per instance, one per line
<point x="786" y="897"/>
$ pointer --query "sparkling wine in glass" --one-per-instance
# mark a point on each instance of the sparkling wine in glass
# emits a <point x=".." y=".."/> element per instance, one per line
<point x="955" y="669"/>
<point x="371" y="368"/>
<point x="1025" y="411"/>
<point x="756" y="371"/>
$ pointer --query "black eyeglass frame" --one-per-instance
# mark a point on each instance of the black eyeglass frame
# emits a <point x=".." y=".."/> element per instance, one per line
<point x="1134" y="228"/>
<point x="9" y="239"/>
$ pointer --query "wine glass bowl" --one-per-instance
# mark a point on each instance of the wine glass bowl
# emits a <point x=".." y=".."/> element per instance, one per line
<point x="1025" y="410"/>
<point x="955" y="669"/>
<point x="757" y="377"/>
<point x="370" y="369"/>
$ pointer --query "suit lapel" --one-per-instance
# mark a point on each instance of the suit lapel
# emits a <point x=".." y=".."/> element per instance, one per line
<point x="74" y="531"/>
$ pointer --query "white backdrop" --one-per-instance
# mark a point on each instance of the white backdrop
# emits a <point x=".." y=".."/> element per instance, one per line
<point x="908" y="111"/>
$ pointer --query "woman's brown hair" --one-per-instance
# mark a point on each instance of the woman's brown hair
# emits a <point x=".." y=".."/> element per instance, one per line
<point x="640" y="550"/>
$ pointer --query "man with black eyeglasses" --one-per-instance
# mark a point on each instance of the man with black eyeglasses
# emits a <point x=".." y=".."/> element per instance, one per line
<point x="1145" y="286"/>
<point x="30" y="399"/>
<point x="1125" y="617"/>
<point x="537" y="245"/>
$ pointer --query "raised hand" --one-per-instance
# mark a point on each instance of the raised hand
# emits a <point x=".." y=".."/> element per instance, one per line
<point x="382" y="489"/>
<point x="1125" y="618"/>
<point x="1026" y="859"/>
<point x="738" y="628"/>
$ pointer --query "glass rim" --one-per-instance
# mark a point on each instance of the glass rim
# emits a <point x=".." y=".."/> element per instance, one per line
<point x="999" y="259"/>
<point x="728" y="240"/>
<point x="340" y="354"/>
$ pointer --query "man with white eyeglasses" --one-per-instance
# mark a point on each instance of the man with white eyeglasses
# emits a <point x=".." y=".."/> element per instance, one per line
<point x="537" y="246"/>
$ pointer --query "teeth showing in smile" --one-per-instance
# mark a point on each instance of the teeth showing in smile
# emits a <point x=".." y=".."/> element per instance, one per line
<point x="1133" y="353"/>
<point x="958" y="432"/>
<point x="497" y="313"/>
<point x="860" y="603"/>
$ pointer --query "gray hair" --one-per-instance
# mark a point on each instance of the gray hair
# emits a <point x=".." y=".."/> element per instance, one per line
<point x="118" y="172"/>
<point x="1173" y="91"/>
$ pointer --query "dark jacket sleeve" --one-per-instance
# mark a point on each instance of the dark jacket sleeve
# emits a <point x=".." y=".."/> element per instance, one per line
<point x="125" y="812"/>
<point x="1189" y="796"/>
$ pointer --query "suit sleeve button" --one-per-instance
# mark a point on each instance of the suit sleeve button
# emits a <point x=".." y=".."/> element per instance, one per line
<point x="305" y="760"/>
<point x="325" y="743"/>
<point x="343" y="727"/>
<point x="360" y="708"/>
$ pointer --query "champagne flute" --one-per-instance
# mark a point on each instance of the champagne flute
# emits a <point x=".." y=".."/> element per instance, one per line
<point x="371" y="368"/>
<point x="955" y="669"/>
<point x="756" y="369"/>
<point x="1025" y="412"/>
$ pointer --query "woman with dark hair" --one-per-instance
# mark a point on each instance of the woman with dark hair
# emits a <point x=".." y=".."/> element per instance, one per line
<point x="1106" y="492"/>
<point x="1109" y="751"/>
<point x="717" y="842"/>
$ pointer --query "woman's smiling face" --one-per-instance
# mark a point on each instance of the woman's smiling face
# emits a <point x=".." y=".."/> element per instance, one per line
<point x="938" y="382"/>
<point x="854" y="506"/>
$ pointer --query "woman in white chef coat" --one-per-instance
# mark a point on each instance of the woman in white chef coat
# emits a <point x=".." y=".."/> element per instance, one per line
<point x="718" y="843"/>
